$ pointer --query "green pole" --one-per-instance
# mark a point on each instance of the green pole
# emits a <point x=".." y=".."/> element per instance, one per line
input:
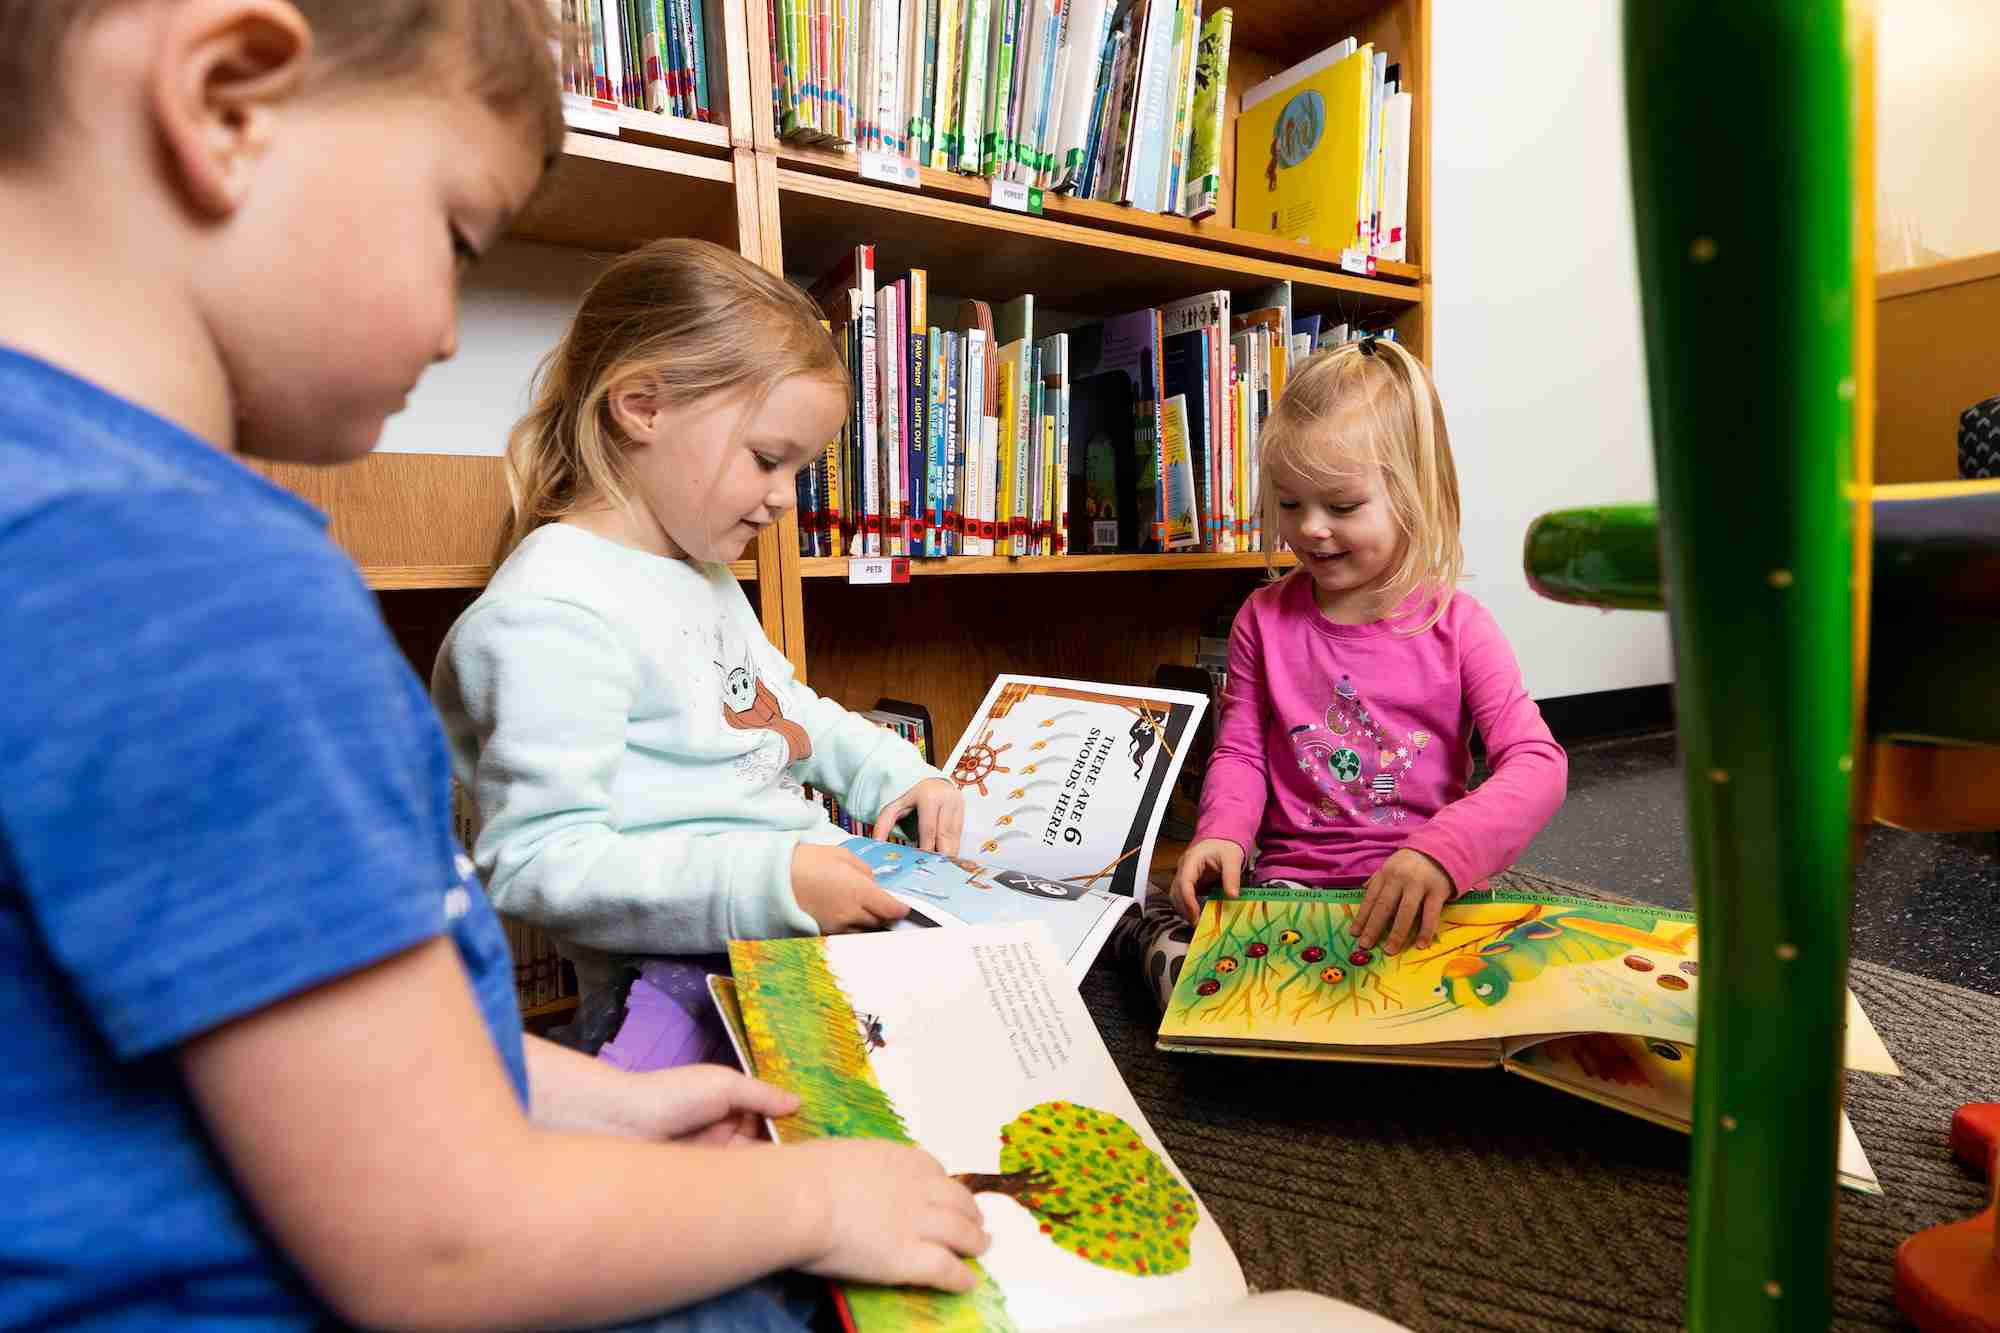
<point x="1739" y="118"/>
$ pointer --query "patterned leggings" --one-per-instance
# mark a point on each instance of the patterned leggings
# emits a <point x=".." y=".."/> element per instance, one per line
<point x="1154" y="939"/>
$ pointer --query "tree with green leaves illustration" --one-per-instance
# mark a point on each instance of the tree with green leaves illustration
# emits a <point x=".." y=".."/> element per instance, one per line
<point x="1097" y="1190"/>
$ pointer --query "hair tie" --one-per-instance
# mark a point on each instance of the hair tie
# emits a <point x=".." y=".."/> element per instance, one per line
<point x="1367" y="344"/>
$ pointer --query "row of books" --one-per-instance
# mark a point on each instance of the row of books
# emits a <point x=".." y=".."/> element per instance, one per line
<point x="651" y="55"/>
<point x="1120" y="100"/>
<point x="1323" y="155"/>
<point x="910" y="721"/>
<point x="541" y="975"/>
<point x="974" y="433"/>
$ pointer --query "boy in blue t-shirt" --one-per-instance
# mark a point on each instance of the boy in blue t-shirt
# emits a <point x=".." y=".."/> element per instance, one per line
<point x="261" y="1066"/>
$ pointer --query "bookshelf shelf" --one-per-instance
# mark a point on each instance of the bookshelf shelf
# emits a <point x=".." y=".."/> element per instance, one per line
<point x="1092" y="213"/>
<point x="1002" y="254"/>
<point x="823" y="567"/>
<point x="398" y="578"/>
<point x="614" y="194"/>
<point x="664" y="131"/>
<point x="553" y="1009"/>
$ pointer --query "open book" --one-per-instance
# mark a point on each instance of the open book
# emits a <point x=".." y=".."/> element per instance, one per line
<point x="1068" y="780"/>
<point x="1065" y="784"/>
<point x="1594" y="998"/>
<point x="973" y="1044"/>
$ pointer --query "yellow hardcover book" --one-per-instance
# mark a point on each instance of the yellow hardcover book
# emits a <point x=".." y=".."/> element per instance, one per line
<point x="1300" y="157"/>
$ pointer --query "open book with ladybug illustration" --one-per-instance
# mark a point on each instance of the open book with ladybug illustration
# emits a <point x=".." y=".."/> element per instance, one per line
<point x="1594" y="998"/>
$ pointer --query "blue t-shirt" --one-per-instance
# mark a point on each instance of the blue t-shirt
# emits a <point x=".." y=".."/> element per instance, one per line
<point x="220" y="785"/>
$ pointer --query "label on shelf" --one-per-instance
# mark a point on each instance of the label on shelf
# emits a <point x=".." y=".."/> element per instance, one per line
<point x="887" y="168"/>
<point x="589" y="113"/>
<point x="879" y="569"/>
<point x="1016" y="197"/>
<point x="1356" y="260"/>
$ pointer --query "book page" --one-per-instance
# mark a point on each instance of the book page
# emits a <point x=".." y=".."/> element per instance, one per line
<point x="1278" y="967"/>
<point x="974" y="1044"/>
<point x="1070" y="779"/>
<point x="1653" y="1079"/>
<point x="952" y="891"/>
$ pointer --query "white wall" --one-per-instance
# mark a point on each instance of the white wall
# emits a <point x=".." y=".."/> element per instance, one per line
<point x="1937" y="130"/>
<point x="1538" y="351"/>
<point x="516" y="303"/>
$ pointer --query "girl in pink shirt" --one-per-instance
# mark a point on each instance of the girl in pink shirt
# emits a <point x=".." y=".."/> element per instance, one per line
<point x="1342" y="743"/>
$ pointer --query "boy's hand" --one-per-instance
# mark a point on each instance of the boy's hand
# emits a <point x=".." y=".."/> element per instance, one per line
<point x="893" y="1216"/>
<point x="1207" y="860"/>
<point x="940" y="811"/>
<point x="838" y="890"/>
<point x="706" y="1104"/>
<point x="1407" y="892"/>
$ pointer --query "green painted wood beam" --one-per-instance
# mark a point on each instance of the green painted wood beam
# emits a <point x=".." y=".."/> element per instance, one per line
<point x="1742" y="204"/>
<point x="1934" y="628"/>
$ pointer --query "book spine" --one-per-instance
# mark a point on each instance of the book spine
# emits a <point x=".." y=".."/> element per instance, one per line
<point x="704" y="104"/>
<point x="871" y="443"/>
<point x="1000" y="60"/>
<point x="1087" y="172"/>
<point x="944" y="126"/>
<point x="1185" y="16"/>
<point x="1204" y="172"/>
<point x="953" y="349"/>
<point x="1062" y="466"/>
<point x="972" y="120"/>
<point x="973" y="393"/>
<point x="1027" y="450"/>
<point x="925" y="98"/>
<point x="919" y="418"/>
<point x="933" y="450"/>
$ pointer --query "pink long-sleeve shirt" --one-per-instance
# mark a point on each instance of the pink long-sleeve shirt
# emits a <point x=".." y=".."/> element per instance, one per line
<point x="1337" y="744"/>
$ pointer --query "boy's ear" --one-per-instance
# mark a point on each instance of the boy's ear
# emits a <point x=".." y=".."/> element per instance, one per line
<point x="224" y="66"/>
<point x="636" y="405"/>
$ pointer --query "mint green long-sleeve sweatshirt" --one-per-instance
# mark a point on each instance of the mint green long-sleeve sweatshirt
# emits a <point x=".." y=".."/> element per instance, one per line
<point x="635" y="748"/>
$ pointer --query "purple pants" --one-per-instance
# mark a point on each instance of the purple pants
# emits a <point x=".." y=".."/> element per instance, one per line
<point x="670" y="1019"/>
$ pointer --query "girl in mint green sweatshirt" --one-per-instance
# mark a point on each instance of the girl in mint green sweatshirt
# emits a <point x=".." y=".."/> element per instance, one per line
<point x="633" y="743"/>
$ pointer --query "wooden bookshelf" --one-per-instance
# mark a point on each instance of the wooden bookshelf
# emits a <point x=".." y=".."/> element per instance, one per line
<point x="423" y="525"/>
<point x="615" y="194"/>
<point x="1208" y="233"/>
<point x="1085" y="269"/>
<point x="831" y="567"/>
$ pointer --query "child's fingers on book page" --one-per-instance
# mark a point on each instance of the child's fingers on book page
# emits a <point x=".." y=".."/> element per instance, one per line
<point x="1433" y="912"/>
<point x="951" y="827"/>
<point x="1409" y="901"/>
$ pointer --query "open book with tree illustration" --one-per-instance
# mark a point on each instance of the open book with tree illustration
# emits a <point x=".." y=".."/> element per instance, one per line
<point x="974" y="1045"/>
<point x="1594" y="998"/>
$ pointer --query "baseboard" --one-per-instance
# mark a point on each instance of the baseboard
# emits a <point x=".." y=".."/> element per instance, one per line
<point x="1603" y="714"/>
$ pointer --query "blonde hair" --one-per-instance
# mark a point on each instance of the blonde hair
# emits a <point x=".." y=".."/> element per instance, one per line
<point x="692" y="318"/>
<point x="1372" y="404"/>
<point x="499" y="49"/>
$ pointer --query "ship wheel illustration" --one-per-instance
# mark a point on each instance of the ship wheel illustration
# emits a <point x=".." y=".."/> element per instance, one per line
<point x="979" y="761"/>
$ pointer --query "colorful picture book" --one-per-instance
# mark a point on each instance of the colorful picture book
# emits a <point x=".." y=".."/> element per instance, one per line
<point x="1068" y="780"/>
<point x="974" y="1045"/>
<point x="1594" y="998"/>
<point x="1323" y="152"/>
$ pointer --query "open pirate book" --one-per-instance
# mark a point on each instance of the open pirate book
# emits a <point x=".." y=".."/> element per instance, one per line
<point x="1065" y="784"/>
<point x="1594" y="998"/>
<point x="972" y="1044"/>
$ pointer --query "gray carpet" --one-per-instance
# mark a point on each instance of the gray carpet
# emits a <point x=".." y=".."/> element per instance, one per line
<point x="1469" y="1199"/>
